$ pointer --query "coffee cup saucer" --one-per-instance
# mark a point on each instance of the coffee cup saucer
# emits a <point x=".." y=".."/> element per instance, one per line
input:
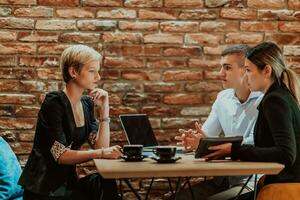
<point x="164" y="160"/>
<point x="133" y="158"/>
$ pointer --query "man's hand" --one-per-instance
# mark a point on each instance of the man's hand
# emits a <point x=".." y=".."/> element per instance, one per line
<point x="190" y="138"/>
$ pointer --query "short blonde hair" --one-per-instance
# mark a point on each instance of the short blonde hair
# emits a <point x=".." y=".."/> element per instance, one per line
<point x="76" y="56"/>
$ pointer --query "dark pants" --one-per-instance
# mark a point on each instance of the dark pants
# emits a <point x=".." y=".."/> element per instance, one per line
<point x="92" y="187"/>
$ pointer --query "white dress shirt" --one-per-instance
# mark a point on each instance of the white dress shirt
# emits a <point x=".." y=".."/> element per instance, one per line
<point x="232" y="117"/>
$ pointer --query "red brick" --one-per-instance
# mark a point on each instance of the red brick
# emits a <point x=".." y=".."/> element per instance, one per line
<point x="283" y="38"/>
<point x="293" y="63"/>
<point x="198" y="14"/>
<point x="27" y="136"/>
<point x="166" y="63"/>
<point x="51" y="48"/>
<point x="18" y="2"/>
<point x="25" y="73"/>
<point x="195" y="111"/>
<point x="38" y="36"/>
<point x="133" y="50"/>
<point x="154" y="75"/>
<point x="16" y="23"/>
<point x="43" y="61"/>
<point x="134" y="38"/>
<point x="182" y="75"/>
<point x="160" y="111"/>
<point x="77" y="37"/>
<point x="122" y="87"/>
<point x="177" y="26"/>
<point x="205" y="86"/>
<point x="237" y="13"/>
<point x="33" y="86"/>
<point x="205" y="62"/>
<point x="55" y="24"/>
<point x="27" y="111"/>
<point x="218" y="3"/>
<point x="183" y="99"/>
<point x="216" y="50"/>
<point x="102" y="2"/>
<point x="7" y="111"/>
<point x="19" y="124"/>
<point x="8" y="61"/>
<point x="17" y="98"/>
<point x="184" y="4"/>
<point x="7" y="36"/>
<point x="121" y="62"/>
<point x="162" y="87"/>
<point x="75" y="13"/>
<point x="143" y="3"/>
<point x="182" y="51"/>
<point x="38" y="11"/>
<point x="291" y="50"/>
<point x="259" y="26"/>
<point x="138" y="26"/>
<point x="163" y="38"/>
<point x="294" y="4"/>
<point x="135" y="75"/>
<point x="7" y="73"/>
<point x="96" y="25"/>
<point x="58" y="2"/>
<point x="266" y="4"/>
<point x="211" y="75"/>
<point x="219" y="26"/>
<point x="152" y="50"/>
<point x="118" y="110"/>
<point x="110" y="75"/>
<point x="177" y="123"/>
<point x="17" y="48"/>
<point x="49" y="73"/>
<point x="203" y="39"/>
<point x="118" y="13"/>
<point x="9" y="85"/>
<point x="276" y="15"/>
<point x="289" y="26"/>
<point x="112" y="49"/>
<point x="139" y="98"/>
<point x="245" y="38"/>
<point x="157" y="14"/>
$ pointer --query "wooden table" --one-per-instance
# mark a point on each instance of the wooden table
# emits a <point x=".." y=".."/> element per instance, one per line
<point x="188" y="166"/>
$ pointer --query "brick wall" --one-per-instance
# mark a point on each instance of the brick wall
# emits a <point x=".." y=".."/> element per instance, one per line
<point x="161" y="56"/>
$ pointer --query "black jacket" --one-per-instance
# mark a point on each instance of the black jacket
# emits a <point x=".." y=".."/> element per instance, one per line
<point x="276" y="135"/>
<point x="42" y="174"/>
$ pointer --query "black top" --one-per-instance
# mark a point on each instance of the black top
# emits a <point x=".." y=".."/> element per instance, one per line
<point x="42" y="174"/>
<point x="276" y="135"/>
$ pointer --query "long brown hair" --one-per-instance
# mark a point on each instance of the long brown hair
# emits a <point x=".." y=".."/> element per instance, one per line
<point x="268" y="53"/>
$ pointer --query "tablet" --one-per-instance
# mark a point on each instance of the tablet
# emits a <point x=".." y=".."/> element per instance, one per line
<point x="202" y="149"/>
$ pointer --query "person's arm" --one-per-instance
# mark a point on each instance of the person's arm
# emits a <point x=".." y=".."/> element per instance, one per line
<point x="280" y="121"/>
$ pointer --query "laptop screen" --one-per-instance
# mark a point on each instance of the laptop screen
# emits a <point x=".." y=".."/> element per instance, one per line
<point x="138" y="129"/>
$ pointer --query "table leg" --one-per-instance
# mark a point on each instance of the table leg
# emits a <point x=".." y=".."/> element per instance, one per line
<point x="241" y="190"/>
<point x="177" y="187"/>
<point x="170" y="186"/>
<point x="190" y="187"/>
<point x="132" y="189"/>
<point x="121" y="188"/>
<point x="255" y="186"/>
<point x="149" y="189"/>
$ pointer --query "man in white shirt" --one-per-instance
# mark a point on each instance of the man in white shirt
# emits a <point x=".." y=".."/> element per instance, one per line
<point x="234" y="113"/>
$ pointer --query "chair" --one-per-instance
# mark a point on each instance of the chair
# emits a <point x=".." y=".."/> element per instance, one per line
<point x="280" y="191"/>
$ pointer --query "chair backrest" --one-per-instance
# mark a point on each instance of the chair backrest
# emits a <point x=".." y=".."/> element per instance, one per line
<point x="280" y="191"/>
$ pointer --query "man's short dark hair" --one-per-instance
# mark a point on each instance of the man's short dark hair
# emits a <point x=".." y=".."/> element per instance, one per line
<point x="236" y="49"/>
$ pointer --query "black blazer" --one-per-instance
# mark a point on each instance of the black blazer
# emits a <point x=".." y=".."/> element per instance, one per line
<point x="42" y="174"/>
<point x="276" y="135"/>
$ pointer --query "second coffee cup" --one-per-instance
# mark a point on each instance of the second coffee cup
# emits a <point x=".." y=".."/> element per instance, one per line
<point x="165" y="152"/>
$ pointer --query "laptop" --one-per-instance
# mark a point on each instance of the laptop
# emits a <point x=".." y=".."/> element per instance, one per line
<point x="138" y="130"/>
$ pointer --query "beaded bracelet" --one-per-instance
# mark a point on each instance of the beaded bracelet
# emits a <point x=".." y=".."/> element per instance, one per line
<point x="105" y="119"/>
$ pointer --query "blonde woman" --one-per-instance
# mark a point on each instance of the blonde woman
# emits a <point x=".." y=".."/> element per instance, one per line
<point x="277" y="129"/>
<point x="65" y="121"/>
